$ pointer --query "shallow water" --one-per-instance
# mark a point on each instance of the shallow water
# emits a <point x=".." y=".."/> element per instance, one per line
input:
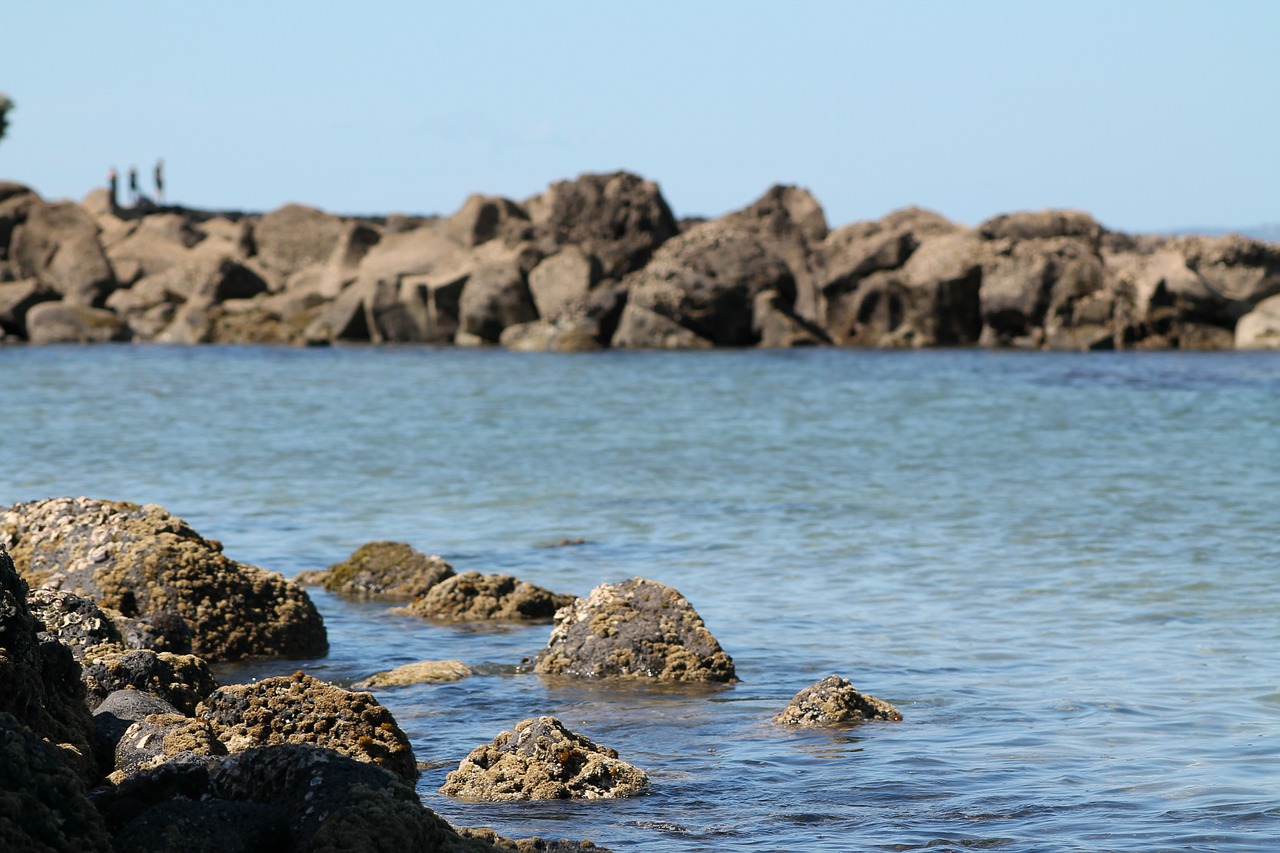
<point x="1061" y="568"/>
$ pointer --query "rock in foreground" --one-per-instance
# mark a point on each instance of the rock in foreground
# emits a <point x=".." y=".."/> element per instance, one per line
<point x="141" y="560"/>
<point x="834" y="700"/>
<point x="540" y="759"/>
<point x="302" y="709"/>
<point x="635" y="629"/>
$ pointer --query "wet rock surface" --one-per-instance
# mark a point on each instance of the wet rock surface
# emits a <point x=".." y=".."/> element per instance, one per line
<point x="831" y="701"/>
<point x="299" y="709"/>
<point x="143" y="561"/>
<point x="417" y="673"/>
<point x="387" y="571"/>
<point x="472" y="596"/>
<point x="540" y="759"/>
<point x="634" y="629"/>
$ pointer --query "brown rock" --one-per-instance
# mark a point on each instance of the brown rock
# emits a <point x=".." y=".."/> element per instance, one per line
<point x="483" y="218"/>
<point x="834" y="700"/>
<point x="472" y="596"/>
<point x="58" y="244"/>
<point x="390" y="571"/>
<point x="422" y="672"/>
<point x="16" y="299"/>
<point x="560" y="284"/>
<point x="1260" y="328"/>
<point x="300" y="709"/>
<point x="619" y="218"/>
<point x="634" y="629"/>
<point x="68" y="323"/>
<point x="295" y="236"/>
<point x="141" y="560"/>
<point x="539" y="759"/>
<point x="495" y="296"/>
<point x="1043" y="225"/>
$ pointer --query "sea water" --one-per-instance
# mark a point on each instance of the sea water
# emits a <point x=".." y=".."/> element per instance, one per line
<point x="1063" y="569"/>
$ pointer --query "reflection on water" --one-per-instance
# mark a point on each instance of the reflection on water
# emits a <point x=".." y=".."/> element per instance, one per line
<point x="1059" y="567"/>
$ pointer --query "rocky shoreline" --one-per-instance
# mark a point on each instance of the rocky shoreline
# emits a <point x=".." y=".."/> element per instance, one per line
<point x="117" y="736"/>
<point x="602" y="262"/>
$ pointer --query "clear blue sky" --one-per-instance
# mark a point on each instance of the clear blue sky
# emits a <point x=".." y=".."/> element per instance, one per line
<point x="1150" y="115"/>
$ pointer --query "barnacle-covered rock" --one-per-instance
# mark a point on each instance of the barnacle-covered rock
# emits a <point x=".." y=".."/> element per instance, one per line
<point x="635" y="629"/>
<point x="834" y="700"/>
<point x="540" y="759"/>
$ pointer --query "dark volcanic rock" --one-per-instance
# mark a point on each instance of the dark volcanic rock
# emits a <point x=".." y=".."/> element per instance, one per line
<point x="180" y="680"/>
<point x="114" y="715"/>
<point x="42" y="801"/>
<point x="388" y="571"/>
<point x="472" y="596"/>
<point x="141" y="561"/>
<point x="834" y="700"/>
<point x="301" y="709"/>
<point x="40" y="679"/>
<point x="539" y="759"/>
<point x="634" y="629"/>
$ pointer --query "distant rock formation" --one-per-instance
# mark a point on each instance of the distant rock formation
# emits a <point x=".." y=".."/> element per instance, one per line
<point x="600" y="261"/>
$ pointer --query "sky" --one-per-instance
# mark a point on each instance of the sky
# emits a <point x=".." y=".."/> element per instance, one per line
<point x="1152" y="116"/>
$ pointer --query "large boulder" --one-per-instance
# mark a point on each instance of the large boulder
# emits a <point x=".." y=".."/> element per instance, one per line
<point x="833" y="701"/>
<point x="1260" y="328"/>
<point x="791" y="224"/>
<point x="707" y="281"/>
<point x="343" y="263"/>
<point x="160" y="738"/>
<point x="483" y="218"/>
<point x="540" y="759"/>
<point x="141" y="560"/>
<point x="472" y="596"/>
<point x="42" y="801"/>
<point x="116" y="713"/>
<point x="619" y="218"/>
<point x="495" y="296"/>
<point x="58" y="244"/>
<point x="152" y="246"/>
<point x="1029" y="285"/>
<point x="1161" y="302"/>
<point x="387" y="571"/>
<point x="74" y="620"/>
<point x="856" y="299"/>
<point x="69" y="323"/>
<point x="1043" y="225"/>
<point x="561" y="284"/>
<point x="40" y="679"/>
<point x="1245" y="271"/>
<point x="19" y="297"/>
<point x="634" y="629"/>
<point x="300" y="709"/>
<point x="296" y="236"/>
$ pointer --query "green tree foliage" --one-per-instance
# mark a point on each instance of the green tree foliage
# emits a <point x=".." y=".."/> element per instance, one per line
<point x="5" y="105"/>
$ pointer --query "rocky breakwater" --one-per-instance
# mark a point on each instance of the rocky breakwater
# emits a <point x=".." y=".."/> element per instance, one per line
<point x="601" y="261"/>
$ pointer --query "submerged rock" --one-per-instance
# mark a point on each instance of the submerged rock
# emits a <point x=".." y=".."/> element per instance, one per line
<point x="383" y="570"/>
<point x="305" y="710"/>
<point x="635" y="629"/>
<point x="472" y="596"/>
<point x="834" y="700"/>
<point x="143" y="561"/>
<point x="539" y="759"/>
<point x="417" y="673"/>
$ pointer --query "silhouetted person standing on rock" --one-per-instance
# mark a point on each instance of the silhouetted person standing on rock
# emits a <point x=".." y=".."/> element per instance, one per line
<point x="113" y="181"/>
<point x="160" y="181"/>
<point x="133" y="185"/>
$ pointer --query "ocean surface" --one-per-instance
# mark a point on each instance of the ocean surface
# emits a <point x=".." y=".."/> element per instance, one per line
<point x="1063" y="569"/>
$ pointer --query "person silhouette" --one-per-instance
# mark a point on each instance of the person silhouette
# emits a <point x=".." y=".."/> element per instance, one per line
<point x="113" y="181"/>
<point x="133" y="186"/>
<point x="160" y="181"/>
